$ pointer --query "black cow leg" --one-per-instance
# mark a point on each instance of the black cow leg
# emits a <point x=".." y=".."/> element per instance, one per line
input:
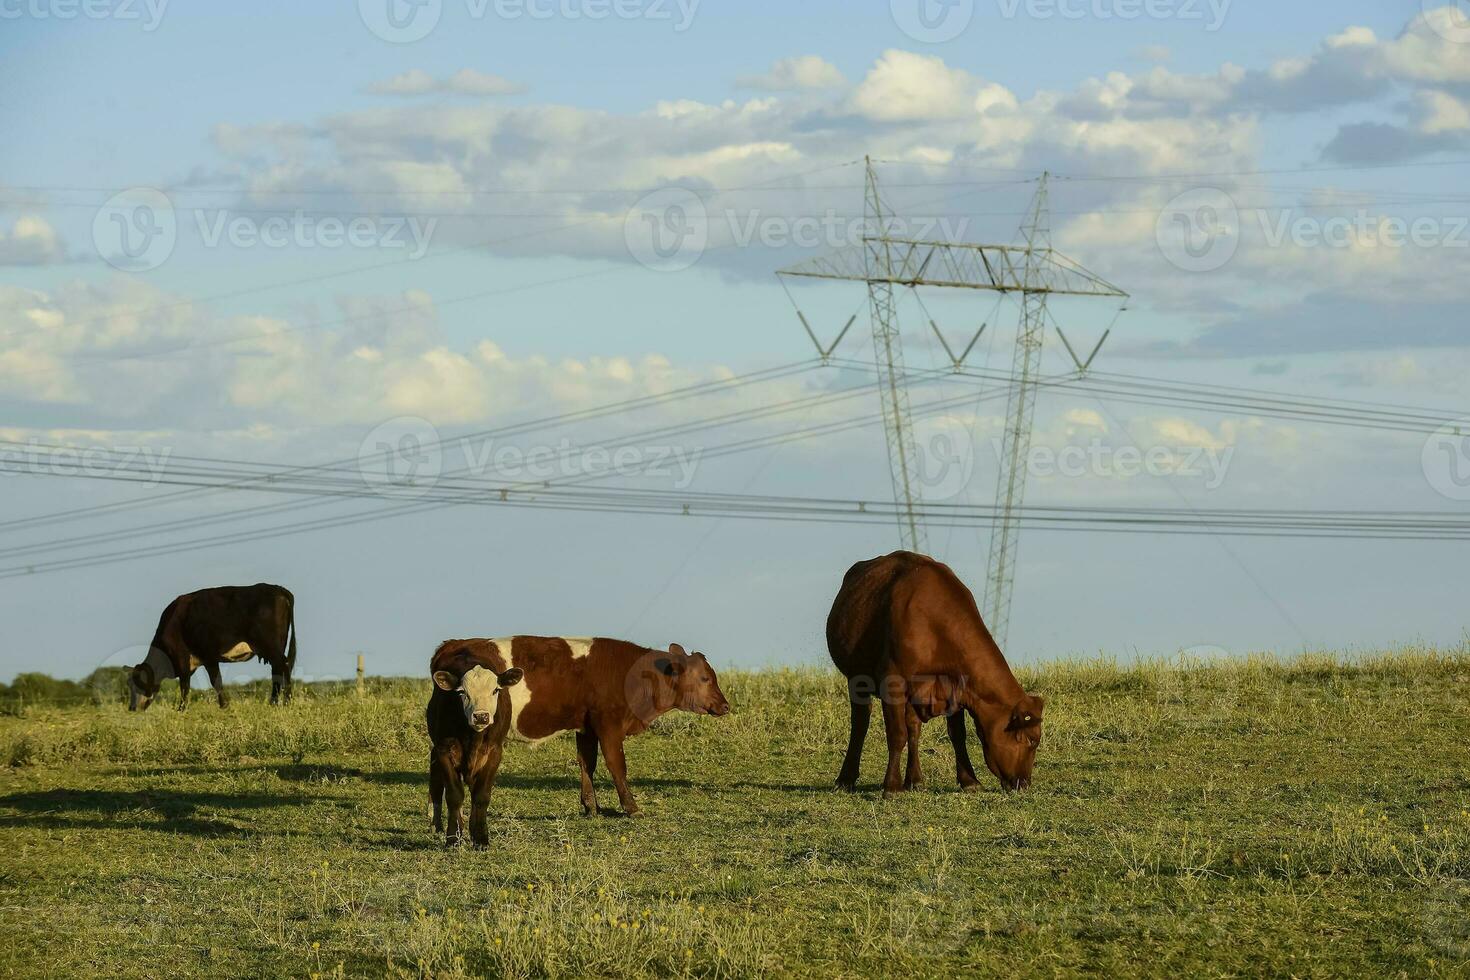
<point x="183" y="691"/>
<point x="218" y="683"/>
<point x="275" y="688"/>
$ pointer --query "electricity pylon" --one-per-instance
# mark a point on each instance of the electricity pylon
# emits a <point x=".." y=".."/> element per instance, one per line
<point x="1034" y="270"/>
<point x="898" y="428"/>
<point x="1010" y="481"/>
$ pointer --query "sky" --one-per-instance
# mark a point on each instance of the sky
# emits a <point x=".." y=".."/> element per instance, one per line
<point x="290" y="234"/>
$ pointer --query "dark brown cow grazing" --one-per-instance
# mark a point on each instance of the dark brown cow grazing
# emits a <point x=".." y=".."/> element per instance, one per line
<point x="604" y="690"/>
<point x="468" y="718"/>
<point x="230" y="624"/>
<point x="905" y="629"/>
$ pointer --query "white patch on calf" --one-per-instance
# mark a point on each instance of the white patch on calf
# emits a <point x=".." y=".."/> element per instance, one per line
<point x="581" y="646"/>
<point x="520" y="694"/>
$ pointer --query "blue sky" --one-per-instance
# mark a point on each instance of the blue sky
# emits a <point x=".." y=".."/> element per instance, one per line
<point x="523" y="146"/>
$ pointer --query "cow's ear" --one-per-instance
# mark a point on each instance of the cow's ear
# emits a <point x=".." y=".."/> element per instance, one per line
<point x="445" y="681"/>
<point x="677" y="650"/>
<point x="667" y="667"/>
<point x="510" y="678"/>
<point x="1026" y="713"/>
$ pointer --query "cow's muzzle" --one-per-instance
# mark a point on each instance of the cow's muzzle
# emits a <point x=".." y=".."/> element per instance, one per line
<point x="480" y="721"/>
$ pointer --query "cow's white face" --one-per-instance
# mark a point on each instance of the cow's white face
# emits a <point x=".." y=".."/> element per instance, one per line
<point x="479" y="692"/>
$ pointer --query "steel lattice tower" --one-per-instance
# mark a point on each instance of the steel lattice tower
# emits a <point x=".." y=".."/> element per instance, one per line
<point x="903" y="459"/>
<point x="1010" y="483"/>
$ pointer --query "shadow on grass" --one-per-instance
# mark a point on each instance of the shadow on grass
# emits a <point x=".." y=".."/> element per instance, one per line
<point x="166" y="810"/>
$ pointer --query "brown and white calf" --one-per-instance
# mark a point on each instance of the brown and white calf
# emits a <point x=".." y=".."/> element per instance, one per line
<point x="604" y="690"/>
<point x="468" y="718"/>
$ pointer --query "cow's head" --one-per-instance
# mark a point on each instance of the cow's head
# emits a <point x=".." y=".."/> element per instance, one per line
<point x="1009" y="738"/>
<point x="694" y="684"/>
<point x="479" y="692"/>
<point x="142" y="686"/>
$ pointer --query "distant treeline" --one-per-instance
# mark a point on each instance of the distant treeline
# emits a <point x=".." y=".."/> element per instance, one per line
<point x="101" y="686"/>
<point x="109" y="685"/>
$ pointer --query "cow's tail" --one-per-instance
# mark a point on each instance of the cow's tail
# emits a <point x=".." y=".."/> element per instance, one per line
<point x="291" y="634"/>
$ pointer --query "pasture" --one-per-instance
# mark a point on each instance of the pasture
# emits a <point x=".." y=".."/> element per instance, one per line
<point x="1308" y="817"/>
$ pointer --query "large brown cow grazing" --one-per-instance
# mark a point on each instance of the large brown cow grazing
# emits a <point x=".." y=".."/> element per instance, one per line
<point x="604" y="690"/>
<point x="905" y="629"/>
<point x="230" y="624"/>
<point x="468" y="718"/>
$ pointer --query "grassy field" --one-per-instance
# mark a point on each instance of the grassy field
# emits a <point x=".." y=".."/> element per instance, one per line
<point x="1307" y="818"/>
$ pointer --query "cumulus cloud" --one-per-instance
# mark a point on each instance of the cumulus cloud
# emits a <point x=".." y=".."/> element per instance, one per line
<point x="466" y="81"/>
<point x="796" y="74"/>
<point x="30" y="241"/>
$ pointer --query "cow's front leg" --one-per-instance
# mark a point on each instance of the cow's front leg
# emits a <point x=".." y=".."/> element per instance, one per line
<point x="480" y="788"/>
<point x="964" y="771"/>
<point x="454" y="801"/>
<point x="436" y="792"/>
<point x="612" y="751"/>
<point x="276" y="679"/>
<point x="895" y="727"/>
<point x="913" y="776"/>
<point x="587" y="762"/>
<point x="183" y="691"/>
<point x="217" y="682"/>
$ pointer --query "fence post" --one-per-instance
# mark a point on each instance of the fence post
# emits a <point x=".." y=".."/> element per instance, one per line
<point x="359" y="676"/>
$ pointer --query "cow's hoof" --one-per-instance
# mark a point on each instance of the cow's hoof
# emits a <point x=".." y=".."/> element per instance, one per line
<point x="970" y="787"/>
<point x="589" y="811"/>
<point x="635" y="814"/>
<point x="892" y="794"/>
<point x="843" y="786"/>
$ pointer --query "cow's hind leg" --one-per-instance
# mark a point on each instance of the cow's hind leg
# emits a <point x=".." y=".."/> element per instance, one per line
<point x="913" y="775"/>
<point x="217" y="682"/>
<point x="587" y="762"/>
<point x="862" y="714"/>
<point x="964" y="771"/>
<point x="183" y="691"/>
<point x="895" y="726"/>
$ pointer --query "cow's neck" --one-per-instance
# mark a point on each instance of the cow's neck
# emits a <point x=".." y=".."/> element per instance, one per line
<point x="160" y="664"/>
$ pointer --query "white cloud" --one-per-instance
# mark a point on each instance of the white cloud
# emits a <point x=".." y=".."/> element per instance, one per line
<point x="466" y="81"/>
<point x="30" y="241"/>
<point x="795" y="74"/>
<point x="907" y="87"/>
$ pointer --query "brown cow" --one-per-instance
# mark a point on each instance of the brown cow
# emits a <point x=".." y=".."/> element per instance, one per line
<point x="468" y="718"/>
<point x="604" y="690"/>
<point x="905" y="628"/>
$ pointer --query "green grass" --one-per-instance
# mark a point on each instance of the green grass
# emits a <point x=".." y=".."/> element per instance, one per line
<point x="1307" y="818"/>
